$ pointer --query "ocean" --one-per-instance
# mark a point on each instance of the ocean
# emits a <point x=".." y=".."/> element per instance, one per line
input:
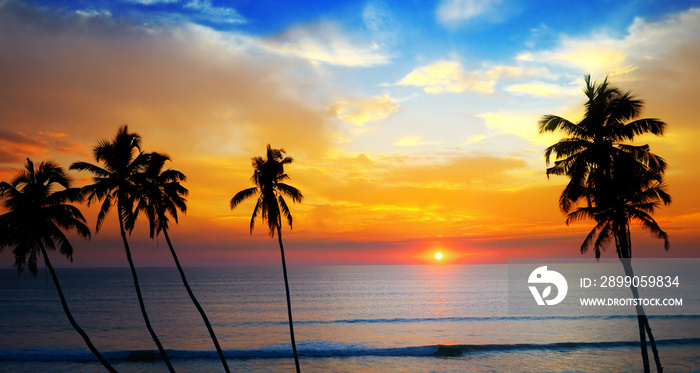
<point x="439" y="318"/>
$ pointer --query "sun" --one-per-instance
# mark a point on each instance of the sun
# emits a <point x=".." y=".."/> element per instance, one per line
<point x="438" y="256"/>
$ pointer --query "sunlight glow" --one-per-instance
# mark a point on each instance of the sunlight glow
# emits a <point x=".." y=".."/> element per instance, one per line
<point x="438" y="256"/>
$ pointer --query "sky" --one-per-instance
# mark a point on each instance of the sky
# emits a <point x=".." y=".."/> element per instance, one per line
<point x="413" y="125"/>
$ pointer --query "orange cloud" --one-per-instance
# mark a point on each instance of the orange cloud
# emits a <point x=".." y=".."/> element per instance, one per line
<point x="359" y="112"/>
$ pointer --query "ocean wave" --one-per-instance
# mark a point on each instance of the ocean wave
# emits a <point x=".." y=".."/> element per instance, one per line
<point x="321" y="349"/>
<point x="400" y="320"/>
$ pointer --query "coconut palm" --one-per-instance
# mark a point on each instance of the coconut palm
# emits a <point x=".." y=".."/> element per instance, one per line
<point x="114" y="185"/>
<point x="160" y="194"/>
<point x="37" y="214"/>
<point x="268" y="177"/>
<point x="618" y="182"/>
<point x="634" y="196"/>
<point x="586" y="154"/>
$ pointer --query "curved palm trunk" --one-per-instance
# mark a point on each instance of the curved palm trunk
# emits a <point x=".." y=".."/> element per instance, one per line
<point x="72" y="321"/>
<point x="640" y="316"/>
<point x="196" y="303"/>
<point x="624" y="242"/>
<point x="289" y="302"/>
<point x="657" y="360"/>
<point x="141" y="304"/>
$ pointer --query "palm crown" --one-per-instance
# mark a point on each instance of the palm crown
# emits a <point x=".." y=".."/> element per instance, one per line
<point x="634" y="195"/>
<point x="38" y="213"/>
<point x="159" y="194"/>
<point x="586" y="154"/>
<point x="113" y="183"/>
<point x="268" y="176"/>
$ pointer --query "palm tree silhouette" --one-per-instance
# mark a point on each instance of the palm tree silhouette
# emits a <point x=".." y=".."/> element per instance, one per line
<point x="618" y="182"/>
<point x="160" y="194"/>
<point x="268" y="177"/>
<point x="114" y="185"/>
<point x="634" y="195"/>
<point x="586" y="155"/>
<point x="34" y="221"/>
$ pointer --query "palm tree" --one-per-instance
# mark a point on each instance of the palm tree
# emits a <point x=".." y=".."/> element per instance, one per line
<point x="268" y="177"/>
<point x="618" y="182"/>
<point x="159" y="195"/>
<point x="586" y="154"/>
<point x="634" y="195"/>
<point x="114" y="185"/>
<point x="34" y="222"/>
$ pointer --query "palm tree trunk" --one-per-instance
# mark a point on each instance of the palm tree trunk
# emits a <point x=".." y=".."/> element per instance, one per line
<point x="645" y="319"/>
<point x="641" y="318"/>
<point x="643" y="343"/>
<point x="657" y="360"/>
<point x="196" y="303"/>
<point x="72" y="321"/>
<point x="289" y="302"/>
<point x="623" y="242"/>
<point x="138" y="295"/>
<point x="654" y="350"/>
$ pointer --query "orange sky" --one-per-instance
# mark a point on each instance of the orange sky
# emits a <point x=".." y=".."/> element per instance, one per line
<point x="393" y="167"/>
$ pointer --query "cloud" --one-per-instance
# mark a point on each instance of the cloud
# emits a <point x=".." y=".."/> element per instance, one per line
<point x="543" y="89"/>
<point x="168" y="82"/>
<point x="213" y="13"/>
<point x="521" y="125"/>
<point x="474" y="139"/>
<point x="602" y="54"/>
<point x="359" y="112"/>
<point x="151" y="2"/>
<point x="325" y="43"/>
<point x="446" y="76"/>
<point x="450" y="76"/>
<point x="598" y="55"/>
<point x="413" y="141"/>
<point x="463" y="171"/>
<point x="510" y="72"/>
<point x="410" y="197"/>
<point x="17" y="145"/>
<point x="450" y="12"/>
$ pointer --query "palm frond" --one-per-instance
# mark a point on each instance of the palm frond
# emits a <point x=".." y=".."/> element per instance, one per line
<point x="591" y="236"/>
<point x="604" y="238"/>
<point x="104" y="209"/>
<point x="290" y="192"/>
<point x="285" y="210"/>
<point x="89" y="167"/>
<point x="256" y="211"/>
<point x="643" y="126"/>
<point x="566" y="148"/>
<point x="271" y="212"/>
<point x="554" y="123"/>
<point x="242" y="196"/>
<point x="648" y="223"/>
<point x="647" y="160"/>
<point x="581" y="213"/>
<point x="623" y="108"/>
